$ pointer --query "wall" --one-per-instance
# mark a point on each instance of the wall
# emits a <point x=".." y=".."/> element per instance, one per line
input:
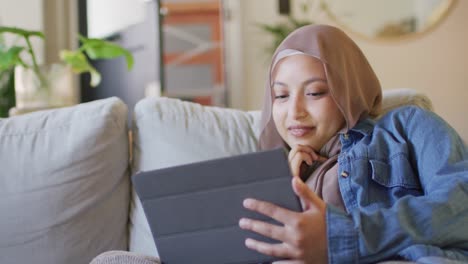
<point x="435" y="63"/>
<point x="106" y="17"/>
<point x="25" y="14"/>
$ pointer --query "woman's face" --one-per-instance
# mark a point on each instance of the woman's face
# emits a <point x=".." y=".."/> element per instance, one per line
<point x="304" y="111"/>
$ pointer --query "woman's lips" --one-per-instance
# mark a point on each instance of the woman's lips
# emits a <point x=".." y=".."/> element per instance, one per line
<point x="300" y="131"/>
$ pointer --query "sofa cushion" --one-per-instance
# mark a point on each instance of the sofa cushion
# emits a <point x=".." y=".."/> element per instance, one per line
<point x="169" y="132"/>
<point x="394" y="98"/>
<point x="64" y="185"/>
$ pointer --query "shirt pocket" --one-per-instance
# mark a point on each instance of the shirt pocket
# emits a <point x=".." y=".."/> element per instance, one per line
<point x="394" y="179"/>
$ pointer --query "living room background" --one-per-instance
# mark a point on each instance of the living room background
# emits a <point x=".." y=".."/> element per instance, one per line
<point x="435" y="63"/>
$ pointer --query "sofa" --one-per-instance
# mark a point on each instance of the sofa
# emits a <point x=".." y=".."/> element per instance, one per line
<point x="65" y="174"/>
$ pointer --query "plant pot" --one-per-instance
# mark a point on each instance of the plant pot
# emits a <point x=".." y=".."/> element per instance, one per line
<point x="54" y="88"/>
<point x="7" y="91"/>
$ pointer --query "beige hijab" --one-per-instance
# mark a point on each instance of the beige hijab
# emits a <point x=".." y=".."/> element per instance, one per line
<point x="353" y="86"/>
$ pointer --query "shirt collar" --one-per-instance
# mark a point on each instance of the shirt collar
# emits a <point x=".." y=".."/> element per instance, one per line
<point x="364" y="127"/>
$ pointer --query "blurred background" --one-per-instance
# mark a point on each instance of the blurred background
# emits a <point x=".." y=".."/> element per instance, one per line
<point x="216" y="52"/>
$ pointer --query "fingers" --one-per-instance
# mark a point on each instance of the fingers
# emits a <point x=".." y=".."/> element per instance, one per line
<point x="296" y="162"/>
<point x="302" y="235"/>
<point x="302" y="151"/>
<point x="308" y="150"/>
<point x="309" y="198"/>
<point x="280" y="214"/>
<point x="263" y="228"/>
<point x="300" y="154"/>
<point x="276" y="250"/>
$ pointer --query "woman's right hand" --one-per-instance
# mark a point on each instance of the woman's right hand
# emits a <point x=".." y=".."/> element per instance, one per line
<point x="300" y="156"/>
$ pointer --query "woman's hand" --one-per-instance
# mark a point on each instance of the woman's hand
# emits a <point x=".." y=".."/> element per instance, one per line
<point x="300" y="154"/>
<point x="303" y="235"/>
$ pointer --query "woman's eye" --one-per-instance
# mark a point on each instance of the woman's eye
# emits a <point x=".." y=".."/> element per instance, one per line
<point x="316" y="94"/>
<point x="281" y="96"/>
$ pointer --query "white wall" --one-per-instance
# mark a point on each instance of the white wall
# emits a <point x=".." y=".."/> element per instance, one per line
<point x="106" y="17"/>
<point x="26" y="14"/>
<point x="435" y="63"/>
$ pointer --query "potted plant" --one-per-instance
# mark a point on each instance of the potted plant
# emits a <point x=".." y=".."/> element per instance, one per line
<point x="40" y="86"/>
<point x="7" y="80"/>
<point x="279" y="31"/>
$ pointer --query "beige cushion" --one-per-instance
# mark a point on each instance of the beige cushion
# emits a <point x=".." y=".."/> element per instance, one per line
<point x="169" y="132"/>
<point x="394" y="98"/>
<point x="64" y="186"/>
<point x="124" y="257"/>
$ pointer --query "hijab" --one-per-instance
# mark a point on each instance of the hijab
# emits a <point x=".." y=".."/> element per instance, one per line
<point x="353" y="86"/>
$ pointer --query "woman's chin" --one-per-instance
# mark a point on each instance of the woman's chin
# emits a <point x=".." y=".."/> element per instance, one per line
<point x="303" y="142"/>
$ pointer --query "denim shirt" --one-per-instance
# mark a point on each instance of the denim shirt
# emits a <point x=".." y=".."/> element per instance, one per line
<point x="404" y="183"/>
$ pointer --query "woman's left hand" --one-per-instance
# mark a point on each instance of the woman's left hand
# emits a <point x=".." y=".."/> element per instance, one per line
<point x="303" y="235"/>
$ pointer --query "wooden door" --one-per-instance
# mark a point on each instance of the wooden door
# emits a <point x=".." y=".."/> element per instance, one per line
<point x="192" y="51"/>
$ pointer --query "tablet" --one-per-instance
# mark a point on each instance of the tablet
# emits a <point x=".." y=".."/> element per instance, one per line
<point x="193" y="210"/>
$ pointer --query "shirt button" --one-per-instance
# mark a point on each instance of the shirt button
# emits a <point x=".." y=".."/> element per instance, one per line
<point x="344" y="174"/>
<point x="346" y="136"/>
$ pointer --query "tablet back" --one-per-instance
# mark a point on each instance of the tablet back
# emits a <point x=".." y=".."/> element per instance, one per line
<point x="193" y="210"/>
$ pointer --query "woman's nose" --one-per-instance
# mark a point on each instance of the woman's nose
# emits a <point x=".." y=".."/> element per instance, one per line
<point x="297" y="108"/>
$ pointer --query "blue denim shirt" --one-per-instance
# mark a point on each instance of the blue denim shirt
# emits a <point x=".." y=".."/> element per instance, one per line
<point x="404" y="183"/>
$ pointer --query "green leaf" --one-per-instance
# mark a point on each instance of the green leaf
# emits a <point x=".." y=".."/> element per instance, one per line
<point x="22" y="32"/>
<point x="276" y="30"/>
<point x="26" y="34"/>
<point x="2" y="43"/>
<point x="95" y="77"/>
<point x="281" y="30"/>
<point x="10" y="58"/>
<point x="76" y="60"/>
<point x="80" y="64"/>
<point x="101" y="49"/>
<point x="298" y="23"/>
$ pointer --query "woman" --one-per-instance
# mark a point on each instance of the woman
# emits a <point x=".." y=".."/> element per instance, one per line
<point x="396" y="188"/>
